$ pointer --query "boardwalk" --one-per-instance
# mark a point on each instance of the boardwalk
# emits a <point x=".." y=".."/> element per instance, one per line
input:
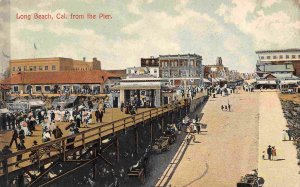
<point x="234" y="143"/>
<point x="271" y="123"/>
<point x="228" y="150"/>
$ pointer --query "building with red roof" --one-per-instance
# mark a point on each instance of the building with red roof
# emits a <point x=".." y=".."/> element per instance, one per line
<point x="46" y="82"/>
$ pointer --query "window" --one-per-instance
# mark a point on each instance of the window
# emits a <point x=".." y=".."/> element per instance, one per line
<point x="274" y="57"/>
<point x="293" y="56"/>
<point x="16" y="88"/>
<point x="30" y="68"/>
<point x="280" y="56"/>
<point x="38" y="88"/>
<point x="47" y="88"/>
<point x="53" y="67"/>
<point x="155" y="70"/>
<point x="40" y="67"/>
<point x="268" y="57"/>
<point x="46" y="67"/>
<point x="34" y="68"/>
<point x="262" y="57"/>
<point x="287" y="56"/>
<point x="13" y="68"/>
<point x="25" y="68"/>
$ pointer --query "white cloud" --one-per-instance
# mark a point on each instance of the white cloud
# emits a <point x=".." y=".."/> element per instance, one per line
<point x="47" y="3"/>
<point x="274" y="30"/>
<point x="135" y="6"/>
<point x="238" y="12"/>
<point x="269" y="3"/>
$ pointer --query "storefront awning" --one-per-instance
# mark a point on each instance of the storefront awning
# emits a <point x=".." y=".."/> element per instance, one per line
<point x="266" y="82"/>
<point x="4" y="111"/>
<point x="36" y="103"/>
<point x="206" y="81"/>
<point x="289" y="82"/>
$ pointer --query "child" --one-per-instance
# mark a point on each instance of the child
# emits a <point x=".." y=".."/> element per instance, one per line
<point x="263" y="155"/>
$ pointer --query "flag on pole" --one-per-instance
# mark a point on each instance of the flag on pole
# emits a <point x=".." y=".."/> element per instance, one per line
<point x="5" y="55"/>
<point x="34" y="46"/>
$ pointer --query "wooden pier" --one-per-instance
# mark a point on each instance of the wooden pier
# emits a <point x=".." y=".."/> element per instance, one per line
<point x="42" y="158"/>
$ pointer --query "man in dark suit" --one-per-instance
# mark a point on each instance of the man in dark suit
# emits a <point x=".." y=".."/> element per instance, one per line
<point x="269" y="152"/>
<point x="101" y="115"/>
<point x="97" y="114"/>
<point x="14" y="138"/>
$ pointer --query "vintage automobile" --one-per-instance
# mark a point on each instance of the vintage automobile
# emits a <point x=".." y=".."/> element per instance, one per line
<point x="161" y="144"/>
<point x="251" y="180"/>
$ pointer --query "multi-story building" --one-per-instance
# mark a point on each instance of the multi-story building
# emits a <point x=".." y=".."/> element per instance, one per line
<point x="181" y="69"/>
<point x="217" y="70"/>
<point x="149" y="62"/>
<point x="97" y="81"/>
<point x="140" y="71"/>
<point x="52" y="64"/>
<point x="280" y="57"/>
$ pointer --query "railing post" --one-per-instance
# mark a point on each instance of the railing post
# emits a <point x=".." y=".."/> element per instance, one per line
<point x="100" y="135"/>
<point x="113" y="126"/>
<point x="64" y="149"/>
<point x="83" y="140"/>
<point x="143" y="117"/>
<point x="124" y="125"/>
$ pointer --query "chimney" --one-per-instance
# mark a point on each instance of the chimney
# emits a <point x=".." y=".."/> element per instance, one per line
<point x="94" y="59"/>
<point x="83" y="59"/>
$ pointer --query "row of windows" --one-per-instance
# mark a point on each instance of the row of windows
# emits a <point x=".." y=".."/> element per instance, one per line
<point x="37" y="88"/>
<point x="33" y="68"/>
<point x="48" y="88"/>
<point x="176" y="64"/>
<point x="78" y="69"/>
<point x="279" y="57"/>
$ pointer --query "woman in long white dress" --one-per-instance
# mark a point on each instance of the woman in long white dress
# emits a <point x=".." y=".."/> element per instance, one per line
<point x="24" y="126"/>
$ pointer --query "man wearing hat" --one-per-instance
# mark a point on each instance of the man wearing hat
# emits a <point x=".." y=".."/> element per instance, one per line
<point x="269" y="152"/>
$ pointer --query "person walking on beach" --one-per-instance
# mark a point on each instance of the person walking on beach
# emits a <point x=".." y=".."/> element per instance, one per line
<point x="229" y="107"/>
<point x="289" y="132"/>
<point x="198" y="127"/>
<point x="283" y="135"/>
<point x="274" y="153"/>
<point x="269" y="152"/>
<point x="222" y="108"/>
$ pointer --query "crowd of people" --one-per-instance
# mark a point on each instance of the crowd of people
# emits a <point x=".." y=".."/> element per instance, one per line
<point x="226" y="107"/>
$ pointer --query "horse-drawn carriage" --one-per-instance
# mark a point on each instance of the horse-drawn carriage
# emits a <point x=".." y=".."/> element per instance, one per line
<point x="160" y="144"/>
<point x="171" y="133"/>
<point x="251" y="180"/>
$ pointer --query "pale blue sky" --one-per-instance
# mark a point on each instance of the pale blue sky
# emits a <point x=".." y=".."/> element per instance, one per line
<point x="232" y="29"/>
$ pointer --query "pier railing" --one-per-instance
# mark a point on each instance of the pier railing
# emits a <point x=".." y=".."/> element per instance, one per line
<point x="66" y="146"/>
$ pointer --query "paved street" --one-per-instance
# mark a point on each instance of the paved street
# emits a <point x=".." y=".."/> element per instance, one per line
<point x="230" y="148"/>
